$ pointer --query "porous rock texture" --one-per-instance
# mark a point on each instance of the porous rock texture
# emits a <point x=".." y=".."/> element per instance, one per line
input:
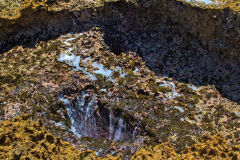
<point x="216" y="26"/>
<point x="22" y="138"/>
<point x="147" y="46"/>
<point x="212" y="147"/>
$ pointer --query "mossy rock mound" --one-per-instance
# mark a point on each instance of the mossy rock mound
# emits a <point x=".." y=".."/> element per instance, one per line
<point x="21" y="138"/>
<point x="209" y="147"/>
<point x="212" y="147"/>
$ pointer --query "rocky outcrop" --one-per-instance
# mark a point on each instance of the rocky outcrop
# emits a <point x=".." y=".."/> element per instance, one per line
<point x="212" y="147"/>
<point x="34" y="22"/>
<point x="209" y="147"/>
<point x="217" y="27"/>
<point x="114" y="76"/>
<point x="22" y="138"/>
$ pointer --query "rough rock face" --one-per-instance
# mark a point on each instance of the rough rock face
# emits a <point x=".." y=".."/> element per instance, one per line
<point x="118" y="77"/>
<point x="22" y="138"/>
<point x="212" y="147"/>
<point x="209" y="147"/>
<point x="216" y="26"/>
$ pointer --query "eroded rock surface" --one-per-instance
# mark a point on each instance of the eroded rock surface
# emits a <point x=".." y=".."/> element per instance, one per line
<point x="22" y="138"/>
<point x="119" y="76"/>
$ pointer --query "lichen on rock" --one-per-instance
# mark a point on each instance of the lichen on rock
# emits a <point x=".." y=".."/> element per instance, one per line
<point x="120" y="76"/>
<point x="23" y="138"/>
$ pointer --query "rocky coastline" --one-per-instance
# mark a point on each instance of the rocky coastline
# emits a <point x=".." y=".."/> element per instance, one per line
<point x="120" y="79"/>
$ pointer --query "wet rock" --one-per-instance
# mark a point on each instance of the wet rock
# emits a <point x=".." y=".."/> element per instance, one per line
<point x="120" y="75"/>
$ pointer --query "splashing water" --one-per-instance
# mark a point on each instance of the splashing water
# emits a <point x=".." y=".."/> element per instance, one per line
<point x="117" y="127"/>
<point x="120" y="129"/>
<point x="69" y="112"/>
<point x="101" y="70"/>
<point x="3" y="103"/>
<point x="83" y="122"/>
<point x="192" y="87"/>
<point x="71" y="59"/>
<point x="173" y="93"/>
<point x="80" y="111"/>
<point x="111" y="126"/>
<point x="179" y="108"/>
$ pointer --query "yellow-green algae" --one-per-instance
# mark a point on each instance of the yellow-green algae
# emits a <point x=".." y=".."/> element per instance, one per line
<point x="18" y="76"/>
<point x="209" y="147"/>
<point x="138" y="92"/>
<point x="22" y="138"/>
<point x="12" y="9"/>
<point x="161" y="151"/>
<point x="212" y="147"/>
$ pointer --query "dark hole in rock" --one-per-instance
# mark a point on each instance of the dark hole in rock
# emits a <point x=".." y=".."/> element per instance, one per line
<point x="142" y="92"/>
<point x="212" y="152"/>
<point x="203" y="152"/>
<point x="89" y="118"/>
<point x="2" y="139"/>
<point x="193" y="149"/>
<point x="40" y="137"/>
<point x="45" y="146"/>
<point x="235" y="157"/>
<point x="50" y="138"/>
<point x="28" y="130"/>
<point x="223" y="155"/>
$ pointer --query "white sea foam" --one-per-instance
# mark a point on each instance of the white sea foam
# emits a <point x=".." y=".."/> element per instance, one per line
<point x="3" y="102"/>
<point x="71" y="59"/>
<point x="101" y="70"/>
<point x="182" y="119"/>
<point x="103" y="90"/>
<point x="119" y="69"/>
<point x="205" y="1"/>
<point x="117" y="127"/>
<point x="120" y="129"/>
<point x="236" y="113"/>
<point x="192" y="87"/>
<point x="171" y="85"/>
<point x="136" y="70"/>
<point x="179" y="108"/>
